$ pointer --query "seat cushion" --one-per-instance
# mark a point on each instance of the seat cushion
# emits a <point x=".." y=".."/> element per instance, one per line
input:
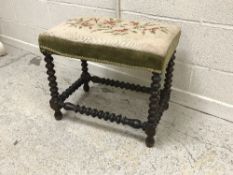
<point x="145" y="45"/>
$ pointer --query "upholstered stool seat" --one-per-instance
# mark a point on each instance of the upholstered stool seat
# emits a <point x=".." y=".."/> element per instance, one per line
<point x="146" y="45"/>
<point x="140" y="45"/>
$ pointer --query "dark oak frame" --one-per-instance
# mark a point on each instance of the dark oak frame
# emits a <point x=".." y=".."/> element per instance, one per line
<point x="159" y="98"/>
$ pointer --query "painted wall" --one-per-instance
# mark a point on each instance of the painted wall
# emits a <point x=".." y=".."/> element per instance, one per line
<point x="204" y="67"/>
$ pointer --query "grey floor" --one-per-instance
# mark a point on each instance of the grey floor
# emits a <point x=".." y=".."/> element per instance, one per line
<point x="32" y="142"/>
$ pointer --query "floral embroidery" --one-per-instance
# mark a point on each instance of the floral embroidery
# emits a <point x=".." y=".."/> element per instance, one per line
<point x="116" y="26"/>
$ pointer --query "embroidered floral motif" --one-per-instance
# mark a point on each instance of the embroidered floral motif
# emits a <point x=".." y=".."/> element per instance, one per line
<point x="116" y="26"/>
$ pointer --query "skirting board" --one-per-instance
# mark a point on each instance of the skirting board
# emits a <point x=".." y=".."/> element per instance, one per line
<point x="190" y="100"/>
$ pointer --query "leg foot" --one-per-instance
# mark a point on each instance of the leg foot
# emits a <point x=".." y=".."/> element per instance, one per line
<point x="150" y="132"/>
<point x="150" y="142"/>
<point x="58" y="115"/>
<point x="86" y="87"/>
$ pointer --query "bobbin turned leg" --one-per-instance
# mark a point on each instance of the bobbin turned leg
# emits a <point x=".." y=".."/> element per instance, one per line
<point x="85" y="75"/>
<point x="166" y="92"/>
<point x="54" y="102"/>
<point x="154" y="110"/>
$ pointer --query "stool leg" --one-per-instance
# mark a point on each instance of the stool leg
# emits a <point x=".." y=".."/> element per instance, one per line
<point x="54" y="102"/>
<point x="154" y="113"/>
<point x="166" y="92"/>
<point x="85" y="75"/>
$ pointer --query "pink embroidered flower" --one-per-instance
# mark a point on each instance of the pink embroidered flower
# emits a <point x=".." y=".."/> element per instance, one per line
<point x="116" y="26"/>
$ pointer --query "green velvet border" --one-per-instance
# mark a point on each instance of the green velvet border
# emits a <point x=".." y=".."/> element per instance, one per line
<point x="107" y="54"/>
<point x="101" y="53"/>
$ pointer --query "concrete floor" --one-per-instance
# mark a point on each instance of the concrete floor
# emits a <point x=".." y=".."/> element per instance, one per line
<point x="32" y="142"/>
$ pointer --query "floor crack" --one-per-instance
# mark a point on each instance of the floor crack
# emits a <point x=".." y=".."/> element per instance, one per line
<point x="196" y="138"/>
<point x="188" y="152"/>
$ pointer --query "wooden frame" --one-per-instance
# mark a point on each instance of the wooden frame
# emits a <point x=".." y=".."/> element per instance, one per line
<point x="158" y="98"/>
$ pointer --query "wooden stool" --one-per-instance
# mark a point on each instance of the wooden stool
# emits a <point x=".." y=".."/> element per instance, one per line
<point x="140" y="45"/>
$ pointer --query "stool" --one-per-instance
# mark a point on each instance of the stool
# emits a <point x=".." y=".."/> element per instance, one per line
<point x="140" y="45"/>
